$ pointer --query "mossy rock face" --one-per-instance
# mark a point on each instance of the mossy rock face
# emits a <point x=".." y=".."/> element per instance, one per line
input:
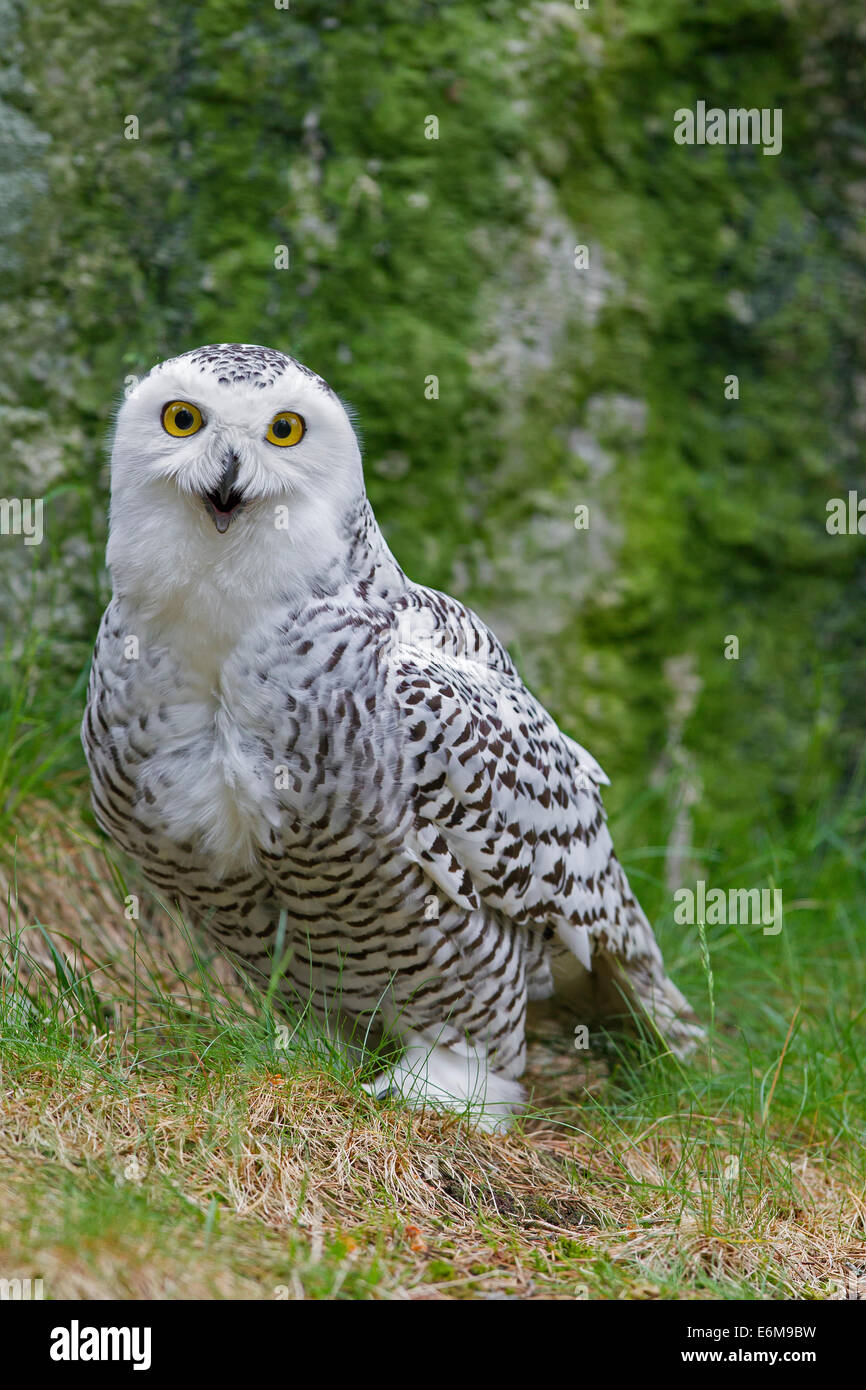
<point x="561" y="381"/>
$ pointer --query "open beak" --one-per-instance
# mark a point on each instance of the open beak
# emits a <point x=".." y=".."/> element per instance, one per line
<point x="223" y="502"/>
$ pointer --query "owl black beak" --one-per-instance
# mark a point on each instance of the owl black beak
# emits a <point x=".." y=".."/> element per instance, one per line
<point x="224" y="501"/>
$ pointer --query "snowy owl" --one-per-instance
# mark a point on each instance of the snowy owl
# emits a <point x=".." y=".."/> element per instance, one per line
<point x="311" y="754"/>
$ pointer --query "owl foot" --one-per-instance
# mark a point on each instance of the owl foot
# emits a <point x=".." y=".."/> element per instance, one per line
<point x="451" y="1078"/>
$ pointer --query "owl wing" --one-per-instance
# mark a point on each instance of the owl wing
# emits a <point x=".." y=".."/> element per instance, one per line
<point x="507" y="808"/>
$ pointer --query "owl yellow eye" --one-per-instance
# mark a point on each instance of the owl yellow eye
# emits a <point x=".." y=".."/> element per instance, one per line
<point x="285" y="428"/>
<point x="181" y="419"/>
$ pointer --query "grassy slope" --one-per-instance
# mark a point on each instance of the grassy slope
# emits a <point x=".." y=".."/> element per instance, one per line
<point x="156" y="1140"/>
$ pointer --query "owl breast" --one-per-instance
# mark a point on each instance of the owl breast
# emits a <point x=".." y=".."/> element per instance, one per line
<point x="280" y="735"/>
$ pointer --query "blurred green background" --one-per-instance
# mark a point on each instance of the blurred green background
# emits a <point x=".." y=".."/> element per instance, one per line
<point x="454" y="257"/>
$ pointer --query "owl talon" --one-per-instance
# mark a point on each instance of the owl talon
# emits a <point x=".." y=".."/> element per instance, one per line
<point x="430" y="1076"/>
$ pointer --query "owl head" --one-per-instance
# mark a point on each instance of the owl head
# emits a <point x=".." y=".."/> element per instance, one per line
<point x="230" y="460"/>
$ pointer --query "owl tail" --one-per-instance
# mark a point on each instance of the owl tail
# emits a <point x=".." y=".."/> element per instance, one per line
<point x="635" y="993"/>
<point x="629" y="986"/>
<point x="646" y="992"/>
<point x="637" y="973"/>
